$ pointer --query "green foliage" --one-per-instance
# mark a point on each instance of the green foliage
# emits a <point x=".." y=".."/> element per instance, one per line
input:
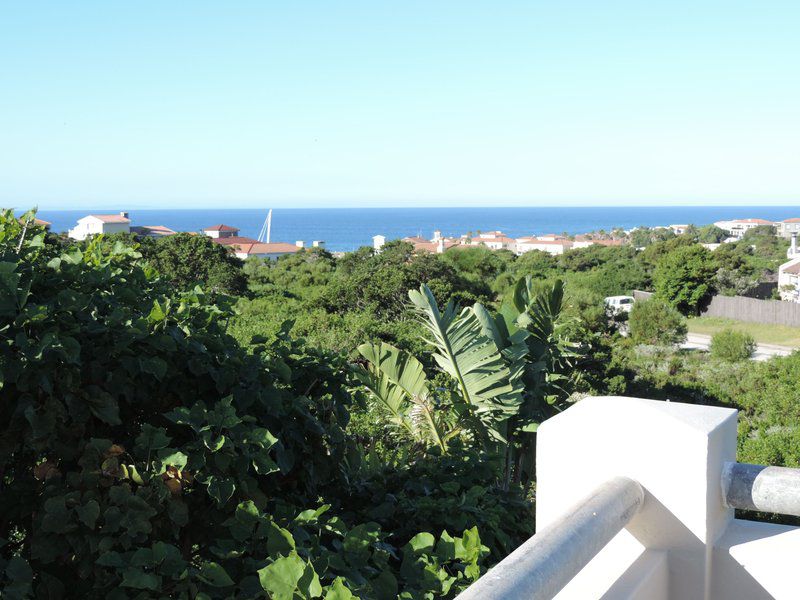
<point x="684" y="278"/>
<point x="379" y="282"/>
<point x="641" y="237"/>
<point x="655" y="322"/>
<point x="187" y="260"/>
<point x="145" y="453"/>
<point x="710" y="234"/>
<point x="731" y="345"/>
<point x="290" y="274"/>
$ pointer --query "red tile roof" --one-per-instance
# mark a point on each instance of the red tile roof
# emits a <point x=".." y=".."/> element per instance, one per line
<point x="271" y="248"/>
<point x="153" y="230"/>
<point x="791" y="221"/>
<point x="233" y="240"/>
<point x="503" y="239"/>
<point x="221" y="228"/>
<point x="565" y="243"/>
<point x="112" y="218"/>
<point x="38" y="222"/>
<point x="758" y="221"/>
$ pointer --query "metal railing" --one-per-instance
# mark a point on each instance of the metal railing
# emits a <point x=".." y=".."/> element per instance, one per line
<point x="543" y="565"/>
<point x="766" y="489"/>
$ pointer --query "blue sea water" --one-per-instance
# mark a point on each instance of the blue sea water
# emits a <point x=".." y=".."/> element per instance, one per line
<point x="346" y="229"/>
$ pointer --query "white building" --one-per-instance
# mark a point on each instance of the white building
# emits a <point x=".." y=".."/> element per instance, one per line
<point x="551" y="246"/>
<point x="378" y="241"/>
<point x="96" y="224"/>
<point x="788" y="226"/>
<point x="789" y="274"/>
<point x="738" y="227"/>
<point x="495" y="240"/>
<point x="221" y="231"/>
<point x="679" y="229"/>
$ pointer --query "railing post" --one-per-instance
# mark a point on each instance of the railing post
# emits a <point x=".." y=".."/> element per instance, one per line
<point x="675" y="451"/>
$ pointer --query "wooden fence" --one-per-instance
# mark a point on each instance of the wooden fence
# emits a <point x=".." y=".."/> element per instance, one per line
<point x="773" y="312"/>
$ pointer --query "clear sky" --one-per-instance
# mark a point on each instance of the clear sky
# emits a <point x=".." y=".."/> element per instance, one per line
<point x="298" y="103"/>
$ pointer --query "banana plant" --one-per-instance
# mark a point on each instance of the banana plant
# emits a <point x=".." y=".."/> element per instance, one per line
<point x="531" y="322"/>
<point x="489" y="385"/>
<point x="397" y="380"/>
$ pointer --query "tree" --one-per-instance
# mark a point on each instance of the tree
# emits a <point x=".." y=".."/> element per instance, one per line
<point x="711" y="234"/>
<point x="685" y="278"/>
<point x="188" y="260"/>
<point x="656" y="323"/>
<point x="379" y="282"/>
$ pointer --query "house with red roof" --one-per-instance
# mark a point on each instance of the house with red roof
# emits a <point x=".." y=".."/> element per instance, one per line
<point x="154" y="231"/>
<point x="738" y="227"/>
<point x="247" y="247"/>
<point x="96" y="224"/>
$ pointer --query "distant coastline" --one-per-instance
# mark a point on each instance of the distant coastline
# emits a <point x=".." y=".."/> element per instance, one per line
<point x="345" y="229"/>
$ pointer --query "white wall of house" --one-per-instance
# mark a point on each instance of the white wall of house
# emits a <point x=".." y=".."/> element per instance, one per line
<point x="789" y="283"/>
<point x="787" y="229"/>
<point x="88" y="226"/>
<point x="551" y="248"/>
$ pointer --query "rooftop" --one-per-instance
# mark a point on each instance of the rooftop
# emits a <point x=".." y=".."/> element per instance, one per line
<point x="111" y="218"/>
<point x="221" y="228"/>
<point x="263" y="248"/>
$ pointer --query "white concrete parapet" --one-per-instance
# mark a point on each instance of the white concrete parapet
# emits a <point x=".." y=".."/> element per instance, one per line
<point x="684" y="542"/>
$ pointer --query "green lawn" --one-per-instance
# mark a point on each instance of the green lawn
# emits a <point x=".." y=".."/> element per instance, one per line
<point x="765" y="334"/>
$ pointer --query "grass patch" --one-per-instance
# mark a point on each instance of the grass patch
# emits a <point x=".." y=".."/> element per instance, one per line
<point x="763" y="334"/>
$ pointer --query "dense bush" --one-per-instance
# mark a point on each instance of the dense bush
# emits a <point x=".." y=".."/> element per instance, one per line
<point x="657" y="323"/>
<point x="685" y="278"/>
<point x="187" y="260"/>
<point x="732" y="345"/>
<point x="145" y="453"/>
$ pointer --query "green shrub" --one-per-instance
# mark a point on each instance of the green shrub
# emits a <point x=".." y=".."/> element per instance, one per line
<point x="732" y="346"/>
<point x="657" y="323"/>
<point x="145" y="453"/>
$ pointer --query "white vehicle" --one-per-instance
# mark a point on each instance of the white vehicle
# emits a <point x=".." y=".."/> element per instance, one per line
<point x="619" y="304"/>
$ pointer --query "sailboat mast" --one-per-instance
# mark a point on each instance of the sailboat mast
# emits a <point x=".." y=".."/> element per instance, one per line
<point x="269" y="224"/>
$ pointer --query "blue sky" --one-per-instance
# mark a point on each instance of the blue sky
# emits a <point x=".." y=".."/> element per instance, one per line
<point x="189" y="104"/>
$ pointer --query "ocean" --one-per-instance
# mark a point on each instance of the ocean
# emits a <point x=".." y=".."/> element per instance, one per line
<point x="346" y="229"/>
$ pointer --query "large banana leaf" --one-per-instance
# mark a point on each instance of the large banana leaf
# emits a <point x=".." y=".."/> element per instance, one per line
<point x="468" y="352"/>
<point x="398" y="381"/>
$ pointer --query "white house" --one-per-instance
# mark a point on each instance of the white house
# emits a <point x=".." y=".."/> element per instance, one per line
<point x="788" y="226"/>
<point x="96" y="224"/>
<point x="551" y="246"/>
<point x="789" y="274"/>
<point x="221" y="231"/>
<point x="378" y="241"/>
<point x="495" y="240"/>
<point x="738" y="227"/>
